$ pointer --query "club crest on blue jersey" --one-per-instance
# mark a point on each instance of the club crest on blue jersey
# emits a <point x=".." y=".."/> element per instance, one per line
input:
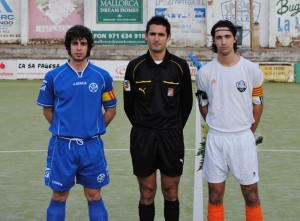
<point x="93" y="87"/>
<point x="241" y="86"/>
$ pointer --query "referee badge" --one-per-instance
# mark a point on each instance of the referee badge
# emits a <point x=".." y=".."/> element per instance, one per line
<point x="170" y="92"/>
<point x="127" y="85"/>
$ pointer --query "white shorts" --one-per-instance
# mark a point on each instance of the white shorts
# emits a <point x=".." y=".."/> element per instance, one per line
<point x="235" y="152"/>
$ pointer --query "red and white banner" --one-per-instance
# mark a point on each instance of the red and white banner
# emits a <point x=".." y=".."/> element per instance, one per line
<point x="8" y="69"/>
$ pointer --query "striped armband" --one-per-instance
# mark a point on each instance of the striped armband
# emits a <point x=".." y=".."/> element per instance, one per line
<point x="108" y="96"/>
<point x="258" y="95"/>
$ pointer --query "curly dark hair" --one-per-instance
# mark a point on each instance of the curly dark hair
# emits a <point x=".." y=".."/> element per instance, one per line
<point x="78" y="32"/>
<point x="227" y="24"/>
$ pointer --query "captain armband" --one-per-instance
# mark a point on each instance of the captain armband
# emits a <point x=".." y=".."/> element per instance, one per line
<point x="201" y="97"/>
<point x="258" y="95"/>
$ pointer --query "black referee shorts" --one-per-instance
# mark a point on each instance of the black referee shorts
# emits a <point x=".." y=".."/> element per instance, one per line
<point x="156" y="149"/>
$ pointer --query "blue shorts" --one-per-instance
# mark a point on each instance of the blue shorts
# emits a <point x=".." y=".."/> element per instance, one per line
<point x="70" y="158"/>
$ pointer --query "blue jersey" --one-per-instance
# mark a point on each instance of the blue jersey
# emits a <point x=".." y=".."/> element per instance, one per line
<point x="77" y="99"/>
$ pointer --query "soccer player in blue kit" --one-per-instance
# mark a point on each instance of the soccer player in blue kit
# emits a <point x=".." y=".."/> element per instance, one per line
<point x="72" y="97"/>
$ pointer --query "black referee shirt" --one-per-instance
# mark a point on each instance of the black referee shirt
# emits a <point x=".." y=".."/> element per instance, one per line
<point x="158" y="96"/>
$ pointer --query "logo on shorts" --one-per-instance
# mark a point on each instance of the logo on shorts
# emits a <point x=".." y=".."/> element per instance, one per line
<point x="56" y="183"/>
<point x="47" y="173"/>
<point x="101" y="178"/>
<point x="181" y="160"/>
<point x="241" y="86"/>
<point x="93" y="87"/>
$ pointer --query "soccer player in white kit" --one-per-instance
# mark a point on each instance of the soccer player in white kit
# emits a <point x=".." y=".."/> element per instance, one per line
<point x="230" y="96"/>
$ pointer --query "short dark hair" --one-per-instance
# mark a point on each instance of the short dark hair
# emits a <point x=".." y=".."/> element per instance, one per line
<point x="159" y="20"/>
<point x="78" y="32"/>
<point x="223" y="23"/>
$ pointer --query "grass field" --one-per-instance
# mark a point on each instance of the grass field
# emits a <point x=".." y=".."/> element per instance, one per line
<point x="23" y="143"/>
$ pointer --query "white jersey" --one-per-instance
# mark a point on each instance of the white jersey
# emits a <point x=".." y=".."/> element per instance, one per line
<point x="231" y="93"/>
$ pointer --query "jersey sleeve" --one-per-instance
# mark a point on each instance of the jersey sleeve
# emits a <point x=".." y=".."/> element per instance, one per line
<point x="109" y="99"/>
<point x="46" y="94"/>
<point x="128" y="93"/>
<point x="258" y="91"/>
<point x="186" y="94"/>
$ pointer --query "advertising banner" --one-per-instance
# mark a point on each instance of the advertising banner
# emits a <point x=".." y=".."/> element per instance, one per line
<point x="119" y="11"/>
<point x="119" y="22"/>
<point x="284" y="22"/>
<point x="119" y="37"/>
<point x="187" y="18"/>
<point x="36" y="69"/>
<point x="10" y="21"/>
<point x="8" y="69"/>
<point x="274" y="72"/>
<point x="50" y="19"/>
<point x="116" y="69"/>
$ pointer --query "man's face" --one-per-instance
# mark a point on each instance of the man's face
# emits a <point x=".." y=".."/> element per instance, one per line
<point x="157" y="38"/>
<point x="79" y="49"/>
<point x="224" y="41"/>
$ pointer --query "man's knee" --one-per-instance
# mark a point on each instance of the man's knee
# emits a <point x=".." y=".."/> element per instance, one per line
<point x="147" y="190"/>
<point x="92" y="194"/>
<point x="60" y="196"/>
<point x="216" y="193"/>
<point x="170" y="188"/>
<point x="250" y="194"/>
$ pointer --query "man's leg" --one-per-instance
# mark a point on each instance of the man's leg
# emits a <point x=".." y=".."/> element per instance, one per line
<point x="215" y="208"/>
<point x="97" y="210"/>
<point x="169" y="186"/>
<point x="56" y="210"/>
<point x="253" y="206"/>
<point x="148" y="188"/>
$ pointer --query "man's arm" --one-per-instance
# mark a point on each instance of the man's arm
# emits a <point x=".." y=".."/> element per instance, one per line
<point x="109" y="115"/>
<point x="128" y="93"/>
<point x="186" y="95"/>
<point x="257" y="112"/>
<point x="48" y="114"/>
<point x="203" y="111"/>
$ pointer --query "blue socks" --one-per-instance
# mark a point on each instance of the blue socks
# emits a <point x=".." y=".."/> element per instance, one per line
<point x="97" y="211"/>
<point x="56" y="211"/>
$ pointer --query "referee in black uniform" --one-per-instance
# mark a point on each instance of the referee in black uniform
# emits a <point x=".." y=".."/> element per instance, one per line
<point x="158" y="100"/>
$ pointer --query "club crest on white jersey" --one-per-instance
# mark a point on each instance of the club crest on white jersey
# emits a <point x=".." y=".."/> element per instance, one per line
<point x="241" y="86"/>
